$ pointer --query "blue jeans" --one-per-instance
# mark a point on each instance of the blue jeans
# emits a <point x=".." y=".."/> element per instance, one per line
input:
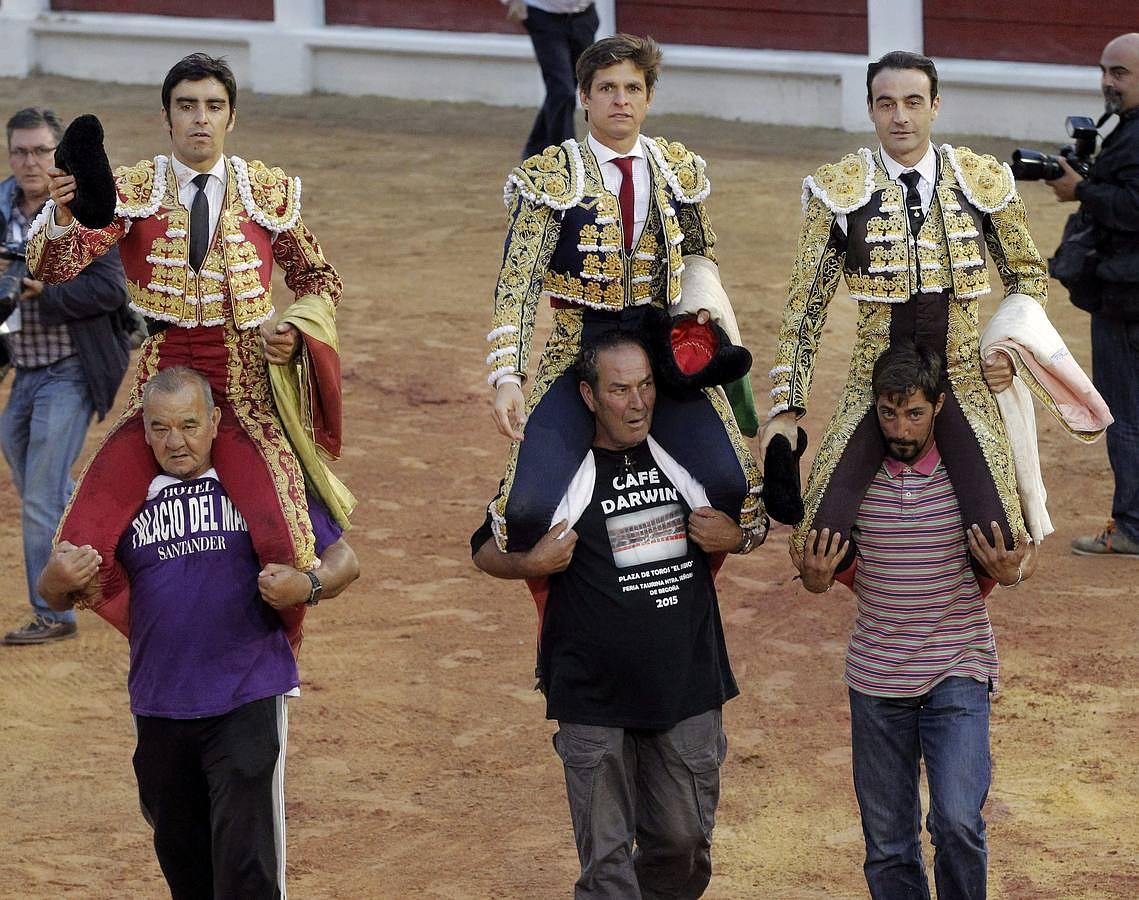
<point x="948" y="727"/>
<point x="1115" y="371"/>
<point x="42" y="432"/>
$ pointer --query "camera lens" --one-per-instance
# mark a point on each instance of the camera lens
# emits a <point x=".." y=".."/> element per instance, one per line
<point x="1032" y="165"/>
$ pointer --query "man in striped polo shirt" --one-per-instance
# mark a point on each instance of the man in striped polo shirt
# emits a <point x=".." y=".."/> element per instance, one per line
<point x="922" y="660"/>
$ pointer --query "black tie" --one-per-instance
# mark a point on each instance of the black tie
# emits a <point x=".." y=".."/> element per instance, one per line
<point x="913" y="200"/>
<point x="199" y="224"/>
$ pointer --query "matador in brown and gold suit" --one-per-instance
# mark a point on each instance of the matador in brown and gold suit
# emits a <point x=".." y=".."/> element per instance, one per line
<point x="926" y="287"/>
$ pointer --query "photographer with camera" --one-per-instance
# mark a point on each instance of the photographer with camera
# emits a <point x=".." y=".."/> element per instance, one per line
<point x="69" y="348"/>
<point x="1107" y="284"/>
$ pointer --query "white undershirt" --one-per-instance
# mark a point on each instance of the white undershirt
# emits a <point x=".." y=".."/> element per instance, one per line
<point x="558" y="7"/>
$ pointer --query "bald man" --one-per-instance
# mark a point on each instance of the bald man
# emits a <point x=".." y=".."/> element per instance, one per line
<point x="1109" y="197"/>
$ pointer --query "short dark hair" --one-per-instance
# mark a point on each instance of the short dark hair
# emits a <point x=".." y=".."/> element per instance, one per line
<point x="902" y="59"/>
<point x="906" y="367"/>
<point x="199" y="67"/>
<point x="586" y="367"/>
<point x="643" y="52"/>
<point x="174" y="380"/>
<point x="35" y="117"/>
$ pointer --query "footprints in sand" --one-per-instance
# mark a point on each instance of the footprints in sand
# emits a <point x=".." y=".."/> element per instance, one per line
<point x="458" y="658"/>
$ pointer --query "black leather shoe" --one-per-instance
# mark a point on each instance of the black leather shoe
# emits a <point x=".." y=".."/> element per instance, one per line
<point x="41" y="631"/>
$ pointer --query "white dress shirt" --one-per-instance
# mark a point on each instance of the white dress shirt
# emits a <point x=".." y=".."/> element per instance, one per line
<point x="215" y="187"/>
<point x="926" y="167"/>
<point x="558" y="7"/>
<point x="612" y="177"/>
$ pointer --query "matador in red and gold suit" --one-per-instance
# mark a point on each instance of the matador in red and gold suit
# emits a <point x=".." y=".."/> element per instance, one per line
<point x="280" y="423"/>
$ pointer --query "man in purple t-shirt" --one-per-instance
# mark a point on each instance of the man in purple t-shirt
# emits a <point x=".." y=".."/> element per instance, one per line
<point x="210" y="663"/>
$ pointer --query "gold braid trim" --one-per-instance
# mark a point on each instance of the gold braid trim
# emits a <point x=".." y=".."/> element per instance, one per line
<point x="699" y="238"/>
<point x="530" y="244"/>
<point x="135" y="185"/>
<point x="843" y="186"/>
<point x="814" y="279"/>
<point x="552" y="178"/>
<point x="248" y="390"/>
<point x="276" y="196"/>
<point x="1022" y="269"/>
<point x="986" y="182"/>
<point x="1041" y="393"/>
<point x="873" y="337"/>
<point x="682" y="169"/>
<point x="561" y="351"/>
<point x="752" y="512"/>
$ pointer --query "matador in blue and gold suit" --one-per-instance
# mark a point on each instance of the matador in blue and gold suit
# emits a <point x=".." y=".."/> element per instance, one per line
<point x="565" y="243"/>
<point x="925" y="287"/>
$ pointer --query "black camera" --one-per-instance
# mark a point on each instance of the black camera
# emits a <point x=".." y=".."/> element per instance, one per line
<point x="12" y="278"/>
<point x="1033" y="165"/>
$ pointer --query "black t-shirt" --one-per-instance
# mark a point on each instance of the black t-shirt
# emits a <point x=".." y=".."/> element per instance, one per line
<point x="631" y="635"/>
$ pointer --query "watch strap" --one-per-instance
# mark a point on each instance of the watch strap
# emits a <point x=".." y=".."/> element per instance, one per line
<point x="317" y="589"/>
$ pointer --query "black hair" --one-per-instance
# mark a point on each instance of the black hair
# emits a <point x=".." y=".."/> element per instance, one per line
<point x="902" y="59"/>
<point x="906" y="367"/>
<point x="199" y="67"/>
<point x="586" y="367"/>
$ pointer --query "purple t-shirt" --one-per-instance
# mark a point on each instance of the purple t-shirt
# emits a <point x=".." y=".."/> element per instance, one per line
<point x="202" y="641"/>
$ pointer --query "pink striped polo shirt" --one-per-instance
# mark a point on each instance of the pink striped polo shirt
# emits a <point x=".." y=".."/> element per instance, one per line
<point x="921" y="614"/>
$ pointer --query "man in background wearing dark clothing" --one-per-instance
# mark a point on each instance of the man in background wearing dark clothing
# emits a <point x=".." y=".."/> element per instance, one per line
<point x="1109" y="196"/>
<point x="559" y="30"/>
<point x="69" y="347"/>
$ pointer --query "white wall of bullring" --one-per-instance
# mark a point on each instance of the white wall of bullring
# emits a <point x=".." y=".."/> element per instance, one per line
<point x="297" y="53"/>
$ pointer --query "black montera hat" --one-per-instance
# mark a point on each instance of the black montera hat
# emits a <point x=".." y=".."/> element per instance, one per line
<point x="782" y="486"/>
<point x="80" y="153"/>
<point x="688" y="356"/>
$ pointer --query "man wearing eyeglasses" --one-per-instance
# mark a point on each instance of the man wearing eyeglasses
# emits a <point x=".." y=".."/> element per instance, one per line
<point x="69" y="347"/>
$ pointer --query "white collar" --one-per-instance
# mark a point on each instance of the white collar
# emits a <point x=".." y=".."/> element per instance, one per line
<point x="185" y="174"/>
<point x="606" y="154"/>
<point x="926" y="166"/>
<point x="161" y="482"/>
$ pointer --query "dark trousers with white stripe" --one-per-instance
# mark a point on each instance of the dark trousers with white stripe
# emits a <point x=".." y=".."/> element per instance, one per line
<point x="212" y="790"/>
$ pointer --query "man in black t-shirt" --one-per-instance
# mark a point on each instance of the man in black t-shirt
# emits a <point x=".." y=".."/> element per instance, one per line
<point x="631" y="650"/>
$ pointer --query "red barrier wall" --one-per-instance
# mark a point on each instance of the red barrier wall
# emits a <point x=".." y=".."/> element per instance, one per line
<point x="829" y="25"/>
<point x="1046" y="31"/>
<point x="438" y="15"/>
<point x="257" y="10"/>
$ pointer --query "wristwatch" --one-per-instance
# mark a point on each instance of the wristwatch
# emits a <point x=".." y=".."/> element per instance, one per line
<point x="317" y="589"/>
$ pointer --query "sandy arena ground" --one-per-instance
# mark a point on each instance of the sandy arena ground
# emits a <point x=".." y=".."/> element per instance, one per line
<point x="419" y="759"/>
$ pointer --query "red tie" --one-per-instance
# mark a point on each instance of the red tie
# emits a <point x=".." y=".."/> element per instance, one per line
<point x="625" y="198"/>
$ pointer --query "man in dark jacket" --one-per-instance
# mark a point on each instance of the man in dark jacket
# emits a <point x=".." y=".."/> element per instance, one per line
<point x="1109" y="196"/>
<point x="69" y="348"/>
